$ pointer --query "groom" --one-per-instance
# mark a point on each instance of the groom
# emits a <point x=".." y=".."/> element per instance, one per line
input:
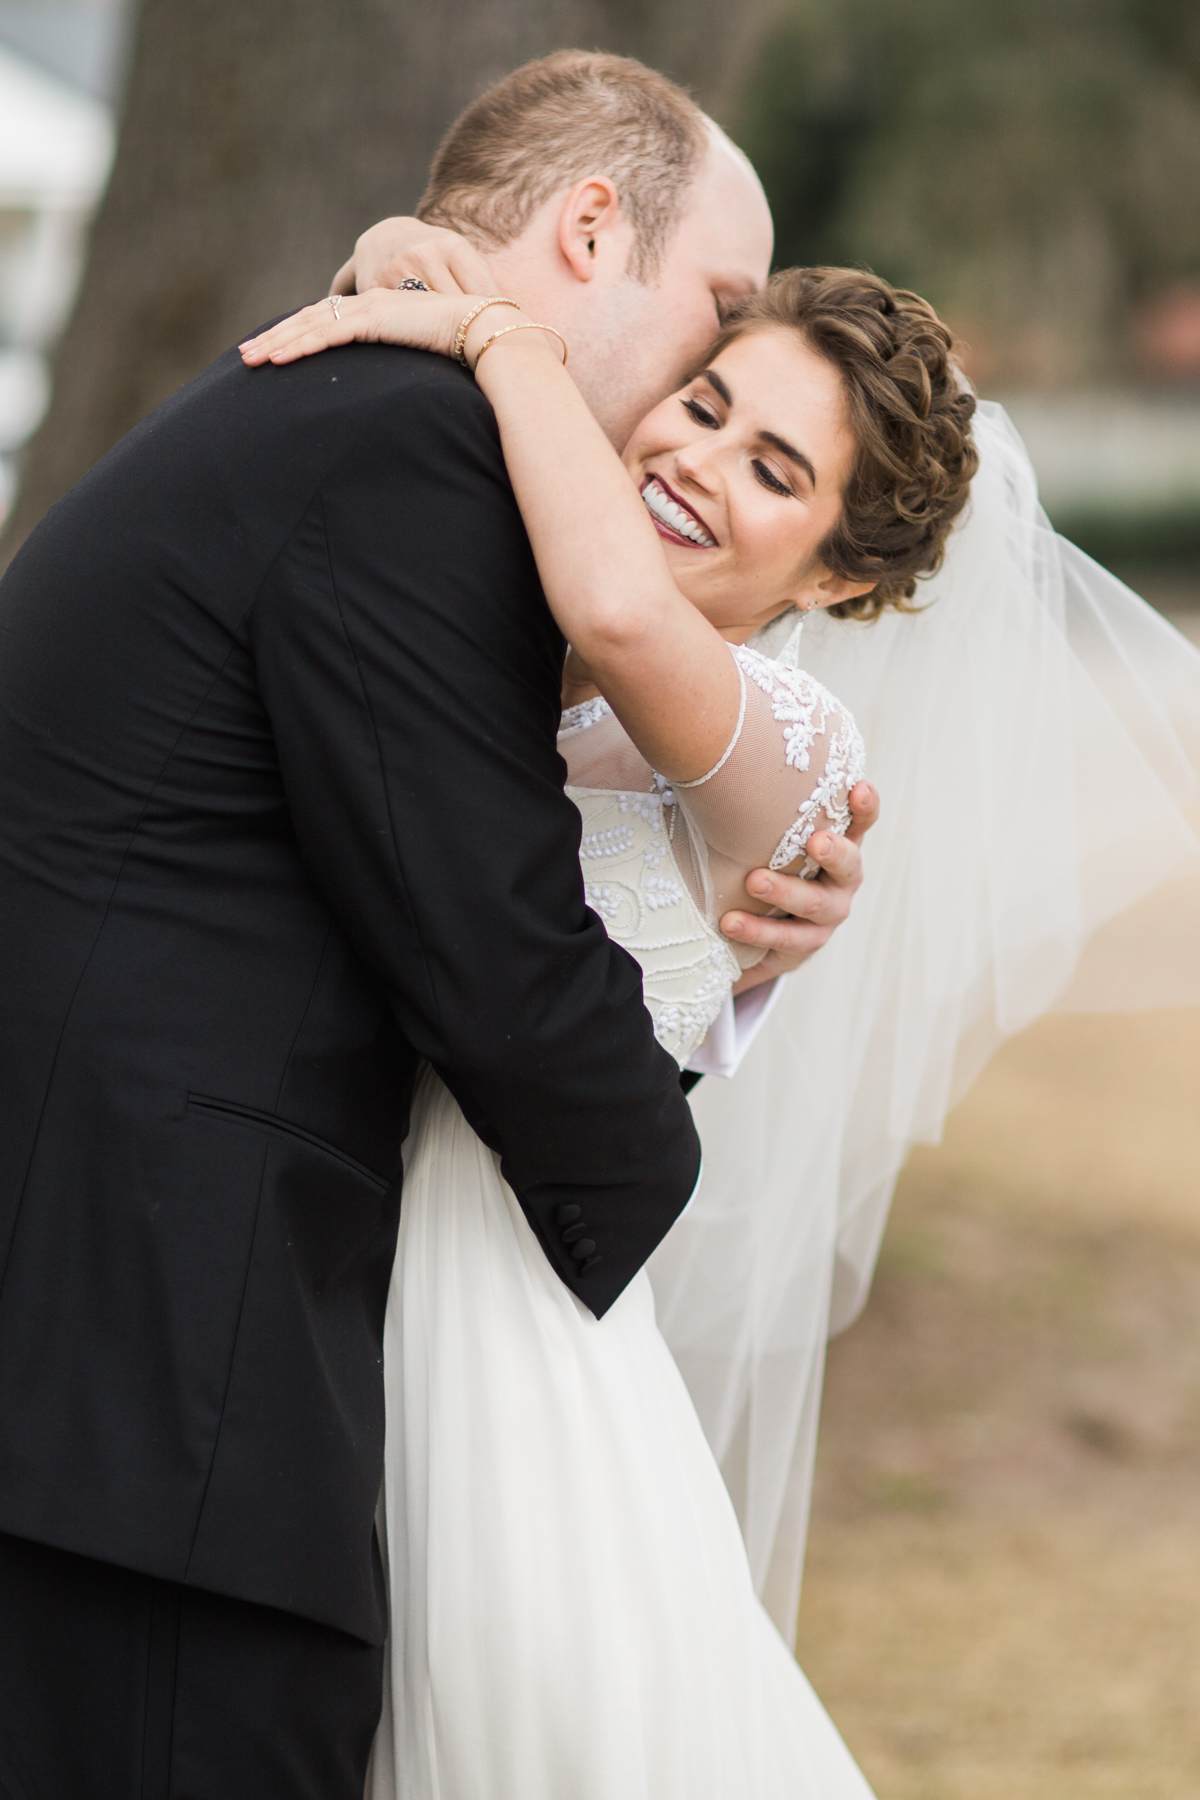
<point x="281" y="815"/>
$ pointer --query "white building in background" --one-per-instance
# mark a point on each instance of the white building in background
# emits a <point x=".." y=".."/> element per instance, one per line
<point x="56" y="146"/>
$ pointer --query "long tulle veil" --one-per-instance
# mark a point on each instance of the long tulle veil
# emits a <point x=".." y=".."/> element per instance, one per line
<point x="1035" y="735"/>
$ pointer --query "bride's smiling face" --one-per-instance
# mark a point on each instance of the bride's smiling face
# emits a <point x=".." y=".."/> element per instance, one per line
<point x="743" y="472"/>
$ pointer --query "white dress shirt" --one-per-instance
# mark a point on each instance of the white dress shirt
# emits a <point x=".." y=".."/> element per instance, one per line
<point x="733" y="1031"/>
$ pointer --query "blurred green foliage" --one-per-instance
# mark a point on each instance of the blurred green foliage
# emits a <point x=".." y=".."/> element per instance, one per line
<point x="1033" y="166"/>
<point x="1139" y="542"/>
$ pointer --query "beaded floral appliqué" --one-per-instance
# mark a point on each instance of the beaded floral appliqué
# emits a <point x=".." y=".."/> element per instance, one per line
<point x="604" y="900"/>
<point x="807" y="711"/>
<point x="577" y="718"/>
<point x="633" y="883"/>
<point x="617" y="842"/>
<point x="649" y="808"/>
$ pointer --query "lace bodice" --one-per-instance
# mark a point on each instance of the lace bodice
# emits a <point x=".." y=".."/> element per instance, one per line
<point x="661" y="863"/>
<point x="632" y="880"/>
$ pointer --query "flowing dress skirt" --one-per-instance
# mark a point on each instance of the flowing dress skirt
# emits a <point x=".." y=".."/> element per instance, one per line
<point x="572" y="1610"/>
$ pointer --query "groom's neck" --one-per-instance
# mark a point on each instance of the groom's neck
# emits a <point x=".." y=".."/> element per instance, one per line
<point x="532" y="273"/>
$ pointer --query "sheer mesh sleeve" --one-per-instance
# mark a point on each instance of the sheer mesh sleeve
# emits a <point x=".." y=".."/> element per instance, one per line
<point x="788" y="771"/>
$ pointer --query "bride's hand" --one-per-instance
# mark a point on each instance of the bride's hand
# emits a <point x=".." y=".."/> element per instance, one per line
<point x="382" y="316"/>
<point x="397" y="248"/>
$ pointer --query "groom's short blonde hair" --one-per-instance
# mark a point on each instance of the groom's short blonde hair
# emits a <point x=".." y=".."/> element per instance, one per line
<point x="555" y="121"/>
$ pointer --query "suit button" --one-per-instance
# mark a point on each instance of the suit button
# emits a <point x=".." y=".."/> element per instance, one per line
<point x="572" y="1232"/>
<point x="567" y="1215"/>
<point x="589" y="1264"/>
<point x="585" y="1247"/>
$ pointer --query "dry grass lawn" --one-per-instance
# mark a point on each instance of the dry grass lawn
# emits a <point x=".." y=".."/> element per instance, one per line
<point x="1002" y="1599"/>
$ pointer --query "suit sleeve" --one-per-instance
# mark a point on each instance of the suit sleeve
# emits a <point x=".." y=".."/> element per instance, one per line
<point x="411" y="670"/>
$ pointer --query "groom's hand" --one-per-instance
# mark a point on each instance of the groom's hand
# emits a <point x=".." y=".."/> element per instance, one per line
<point x="816" y="907"/>
<point x="395" y="248"/>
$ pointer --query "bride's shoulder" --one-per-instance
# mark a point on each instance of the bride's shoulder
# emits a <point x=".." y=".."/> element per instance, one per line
<point x="794" y="694"/>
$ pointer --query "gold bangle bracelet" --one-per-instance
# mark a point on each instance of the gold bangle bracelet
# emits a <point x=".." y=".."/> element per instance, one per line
<point x="460" y="336"/>
<point x="527" y="325"/>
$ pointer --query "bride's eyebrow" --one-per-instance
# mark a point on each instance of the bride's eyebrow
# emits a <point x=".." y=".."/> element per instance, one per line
<point x="721" y="386"/>
<point x="790" y="451"/>
<point x="714" y="381"/>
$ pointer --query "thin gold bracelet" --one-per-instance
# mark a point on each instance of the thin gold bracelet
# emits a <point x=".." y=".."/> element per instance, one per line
<point x="527" y="325"/>
<point x="461" y="334"/>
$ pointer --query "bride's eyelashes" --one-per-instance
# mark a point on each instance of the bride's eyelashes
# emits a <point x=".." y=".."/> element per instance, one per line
<point x="770" y="480"/>
<point x="703" y="415"/>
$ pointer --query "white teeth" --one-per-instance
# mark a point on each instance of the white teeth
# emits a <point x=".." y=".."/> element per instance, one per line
<point x="664" y="508"/>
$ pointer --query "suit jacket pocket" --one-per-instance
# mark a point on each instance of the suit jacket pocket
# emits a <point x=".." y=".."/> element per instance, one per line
<point x="257" y="1120"/>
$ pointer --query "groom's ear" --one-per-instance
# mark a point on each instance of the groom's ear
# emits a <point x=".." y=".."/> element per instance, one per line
<point x="593" y="233"/>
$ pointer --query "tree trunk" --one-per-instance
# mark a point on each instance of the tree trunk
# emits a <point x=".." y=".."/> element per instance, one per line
<point x="260" y="137"/>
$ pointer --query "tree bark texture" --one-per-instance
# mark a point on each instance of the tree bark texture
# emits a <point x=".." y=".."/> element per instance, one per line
<point x="261" y="136"/>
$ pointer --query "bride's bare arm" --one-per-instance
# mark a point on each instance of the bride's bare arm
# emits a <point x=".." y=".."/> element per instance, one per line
<point x="662" y="667"/>
<point x="816" y="908"/>
<point x="667" y="674"/>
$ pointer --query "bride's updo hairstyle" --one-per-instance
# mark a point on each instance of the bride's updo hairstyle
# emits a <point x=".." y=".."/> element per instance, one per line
<point x="910" y="414"/>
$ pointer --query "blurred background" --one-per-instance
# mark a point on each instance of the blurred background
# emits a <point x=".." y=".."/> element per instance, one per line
<point x="1033" y="168"/>
<point x="1003" y="1588"/>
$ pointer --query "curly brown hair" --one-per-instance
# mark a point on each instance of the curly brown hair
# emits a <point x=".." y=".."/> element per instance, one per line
<point x="910" y="413"/>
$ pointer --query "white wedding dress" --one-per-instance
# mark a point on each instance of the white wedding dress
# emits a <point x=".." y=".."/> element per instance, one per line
<point x="573" y="1616"/>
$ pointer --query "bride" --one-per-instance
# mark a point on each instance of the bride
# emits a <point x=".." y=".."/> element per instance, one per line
<point x="574" y="1613"/>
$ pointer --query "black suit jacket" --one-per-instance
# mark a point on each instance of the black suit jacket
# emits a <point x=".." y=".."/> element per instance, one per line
<point x="280" y="814"/>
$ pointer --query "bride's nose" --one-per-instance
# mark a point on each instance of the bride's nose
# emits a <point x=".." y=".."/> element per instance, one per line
<point x="696" y="462"/>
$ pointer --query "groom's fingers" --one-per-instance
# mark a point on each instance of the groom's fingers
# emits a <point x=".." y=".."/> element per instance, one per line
<point x="788" y="943"/>
<point x="803" y="942"/>
<point x="824" y="900"/>
<point x="840" y="862"/>
<point x="804" y="914"/>
<point x="811" y="915"/>
<point x="814" y="908"/>
<point x="864" y="811"/>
